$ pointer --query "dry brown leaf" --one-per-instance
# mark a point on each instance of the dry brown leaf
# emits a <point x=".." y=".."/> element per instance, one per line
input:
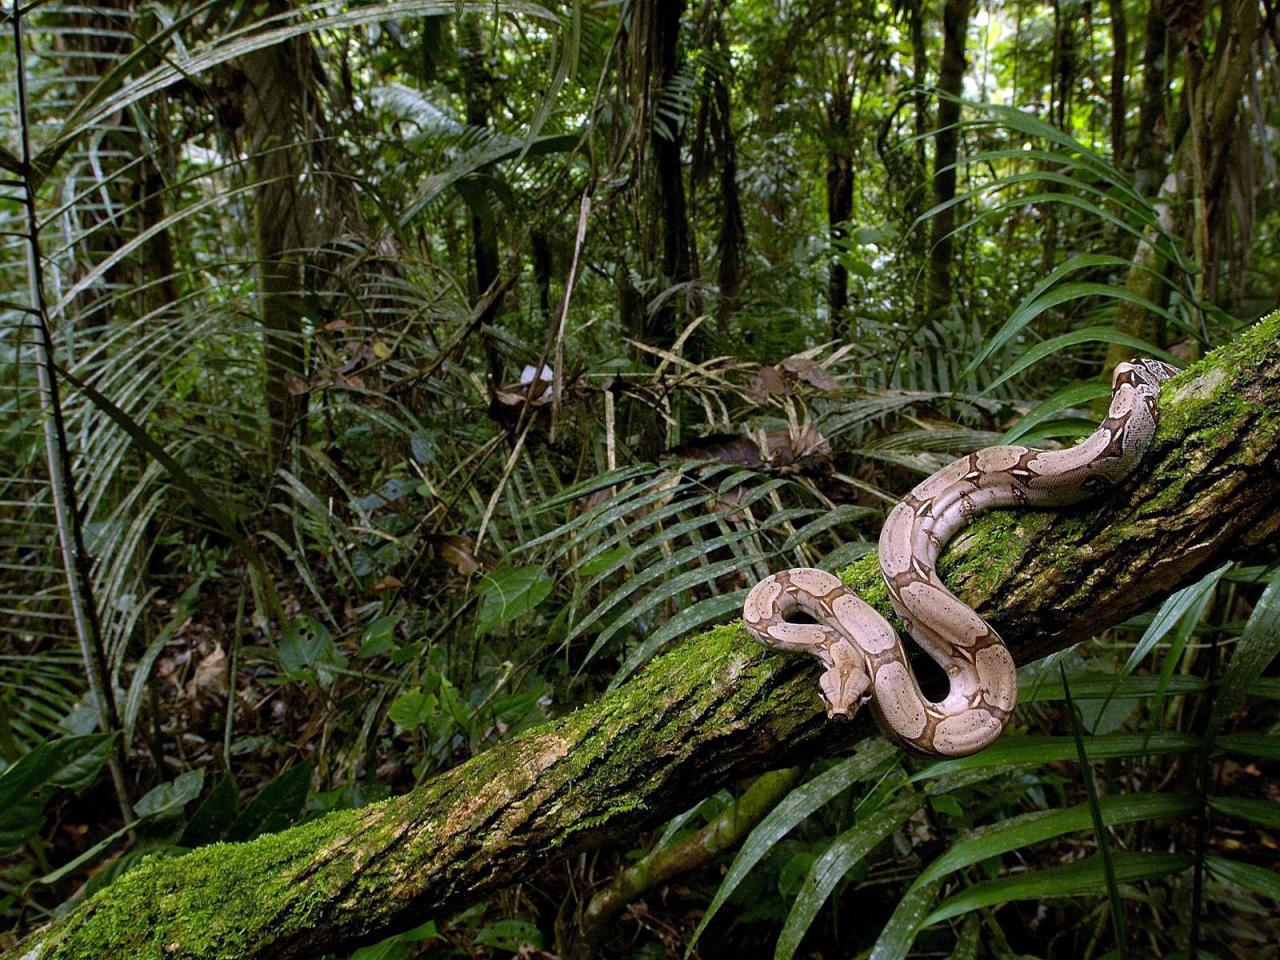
<point x="720" y="447"/>
<point x="811" y="372"/>
<point x="459" y="553"/>
<point x="210" y="678"/>
<point x="767" y="382"/>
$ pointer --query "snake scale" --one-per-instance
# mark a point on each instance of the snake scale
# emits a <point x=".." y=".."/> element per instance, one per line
<point x="863" y="656"/>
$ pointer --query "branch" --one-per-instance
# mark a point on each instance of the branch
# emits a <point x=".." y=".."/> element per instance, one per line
<point x="722" y="834"/>
<point x="713" y="710"/>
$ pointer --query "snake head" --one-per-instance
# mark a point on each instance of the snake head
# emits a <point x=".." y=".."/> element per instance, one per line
<point x="845" y="686"/>
<point x="1151" y="372"/>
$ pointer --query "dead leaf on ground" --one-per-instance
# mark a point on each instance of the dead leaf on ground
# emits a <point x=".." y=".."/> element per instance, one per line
<point x="210" y="679"/>
<point x="722" y="448"/>
<point x="782" y="379"/>
<point x="459" y="553"/>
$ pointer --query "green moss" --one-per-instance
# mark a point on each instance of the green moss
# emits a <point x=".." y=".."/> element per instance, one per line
<point x="1207" y="398"/>
<point x="165" y="907"/>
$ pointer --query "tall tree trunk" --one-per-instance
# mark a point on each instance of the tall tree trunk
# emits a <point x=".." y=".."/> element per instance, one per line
<point x="650" y="68"/>
<point x="666" y="141"/>
<point x="955" y="27"/>
<point x="839" y="197"/>
<point x="732" y="236"/>
<point x="715" y="709"/>
<point x="1151" y="145"/>
<point x="477" y="84"/>
<point x="1119" y="69"/>
<point x="275" y="106"/>
<point x="1203" y="149"/>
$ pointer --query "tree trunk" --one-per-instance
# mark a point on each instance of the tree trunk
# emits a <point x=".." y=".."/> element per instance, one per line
<point x="839" y="197"/>
<point x="1119" y="68"/>
<point x="666" y="141"/>
<point x="732" y="236"/>
<point x="1220" y="86"/>
<point x="283" y="222"/>
<point x="715" y="709"/>
<point x="477" y="84"/>
<point x="955" y="27"/>
<point x="1150" y="148"/>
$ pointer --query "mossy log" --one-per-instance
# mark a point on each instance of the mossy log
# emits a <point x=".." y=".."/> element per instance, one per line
<point x="713" y="710"/>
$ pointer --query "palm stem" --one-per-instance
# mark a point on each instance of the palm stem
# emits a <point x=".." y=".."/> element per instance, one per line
<point x="75" y="558"/>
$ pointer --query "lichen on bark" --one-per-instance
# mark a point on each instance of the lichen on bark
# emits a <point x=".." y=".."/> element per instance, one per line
<point x="712" y="710"/>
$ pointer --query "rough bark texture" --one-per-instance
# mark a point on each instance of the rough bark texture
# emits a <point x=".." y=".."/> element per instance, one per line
<point x="840" y="162"/>
<point x="283" y="222"/>
<point x="1119" y="67"/>
<point x="715" y="709"/>
<point x="1218" y="101"/>
<point x="955" y="26"/>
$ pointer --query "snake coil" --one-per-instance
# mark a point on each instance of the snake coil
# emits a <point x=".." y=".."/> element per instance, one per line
<point x="863" y="656"/>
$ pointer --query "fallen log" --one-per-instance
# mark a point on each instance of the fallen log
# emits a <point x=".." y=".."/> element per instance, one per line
<point x="714" y="709"/>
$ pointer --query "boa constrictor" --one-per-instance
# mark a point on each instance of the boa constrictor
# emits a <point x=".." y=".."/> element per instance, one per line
<point x="863" y="655"/>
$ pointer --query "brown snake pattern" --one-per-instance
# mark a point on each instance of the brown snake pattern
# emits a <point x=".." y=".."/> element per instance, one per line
<point x="863" y="657"/>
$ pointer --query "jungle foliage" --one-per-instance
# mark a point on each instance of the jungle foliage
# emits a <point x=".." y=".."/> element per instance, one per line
<point x="383" y="379"/>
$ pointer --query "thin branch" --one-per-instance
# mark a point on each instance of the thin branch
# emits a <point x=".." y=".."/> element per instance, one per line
<point x="75" y="557"/>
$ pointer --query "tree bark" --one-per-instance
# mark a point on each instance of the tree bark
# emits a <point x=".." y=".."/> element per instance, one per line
<point x="955" y="27"/>
<point x="1119" y="69"/>
<point x="660" y="37"/>
<point x="478" y="91"/>
<point x="284" y="222"/>
<point x="1148" y="157"/>
<point x="839" y="197"/>
<point x="1222" y="86"/>
<point x="717" y="708"/>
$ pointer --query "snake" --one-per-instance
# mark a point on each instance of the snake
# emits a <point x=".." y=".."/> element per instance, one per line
<point x="863" y="656"/>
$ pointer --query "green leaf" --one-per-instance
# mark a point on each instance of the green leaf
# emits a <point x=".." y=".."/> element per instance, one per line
<point x="142" y="672"/>
<point x="836" y="861"/>
<point x="1264" y="812"/>
<point x="164" y="800"/>
<point x="378" y="638"/>
<point x="799" y="804"/>
<point x="10" y="161"/>
<point x="1262" y="745"/>
<point x="509" y="935"/>
<point x="1082" y="878"/>
<point x="1096" y="334"/>
<point x="305" y="642"/>
<point x="507" y="593"/>
<point x="1037" y="750"/>
<point x="1259" y="644"/>
<point x="1106" y="686"/>
<point x="1031" y="828"/>
<point x="1073" y="396"/>
<point x="899" y="932"/>
<point x="602" y="561"/>
<point x="72" y="763"/>
<point x="215" y="816"/>
<point x="412" y="709"/>
<point x="399" y="947"/>
<point x="969" y="941"/>
<point x="276" y="805"/>
<point x="1100" y="835"/>
<point x="1251" y="877"/>
<point x="1194" y="597"/>
<point x="171" y="796"/>
<point x="1026" y="311"/>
